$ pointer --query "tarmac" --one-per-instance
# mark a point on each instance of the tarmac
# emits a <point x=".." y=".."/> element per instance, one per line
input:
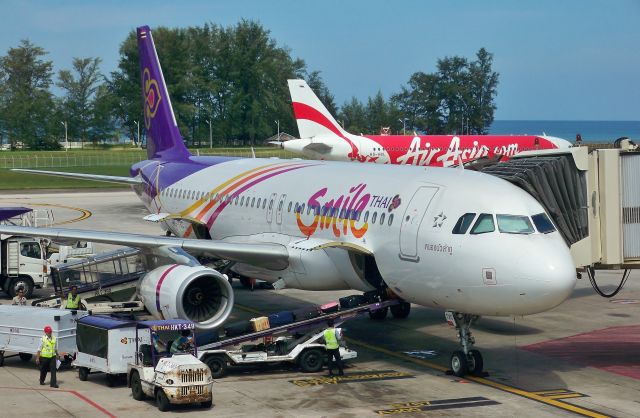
<point x="580" y="358"/>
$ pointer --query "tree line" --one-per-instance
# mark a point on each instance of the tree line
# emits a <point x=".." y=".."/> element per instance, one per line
<point x="227" y="82"/>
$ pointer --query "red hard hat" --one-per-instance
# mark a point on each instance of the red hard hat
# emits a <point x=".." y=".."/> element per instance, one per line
<point x="47" y="329"/>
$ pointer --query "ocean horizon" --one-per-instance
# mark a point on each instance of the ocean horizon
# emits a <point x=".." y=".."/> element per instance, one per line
<point x="590" y="131"/>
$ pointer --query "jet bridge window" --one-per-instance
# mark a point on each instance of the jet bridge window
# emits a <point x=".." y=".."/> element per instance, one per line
<point x="543" y="223"/>
<point x="484" y="224"/>
<point x="514" y="224"/>
<point x="463" y="223"/>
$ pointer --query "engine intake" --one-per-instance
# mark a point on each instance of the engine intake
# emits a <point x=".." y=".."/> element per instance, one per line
<point x="196" y="293"/>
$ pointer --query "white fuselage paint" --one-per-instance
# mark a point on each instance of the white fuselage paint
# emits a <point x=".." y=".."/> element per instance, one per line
<point x="417" y="254"/>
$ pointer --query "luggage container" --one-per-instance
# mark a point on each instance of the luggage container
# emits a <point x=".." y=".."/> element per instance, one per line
<point x="105" y="344"/>
<point x="22" y="328"/>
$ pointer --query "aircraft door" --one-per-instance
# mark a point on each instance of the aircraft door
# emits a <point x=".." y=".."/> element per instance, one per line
<point x="280" y="208"/>
<point x="272" y="199"/>
<point x="411" y="220"/>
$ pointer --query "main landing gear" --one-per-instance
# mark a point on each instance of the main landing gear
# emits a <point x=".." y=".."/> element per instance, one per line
<point x="468" y="360"/>
<point x="399" y="311"/>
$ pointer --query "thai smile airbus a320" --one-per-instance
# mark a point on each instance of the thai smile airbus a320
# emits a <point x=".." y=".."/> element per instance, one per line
<point x="462" y="241"/>
<point x="322" y="138"/>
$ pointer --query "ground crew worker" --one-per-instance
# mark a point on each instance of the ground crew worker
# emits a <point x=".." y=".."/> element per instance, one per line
<point x="73" y="299"/>
<point x="20" y="299"/>
<point x="333" y="348"/>
<point x="183" y="343"/>
<point x="47" y="357"/>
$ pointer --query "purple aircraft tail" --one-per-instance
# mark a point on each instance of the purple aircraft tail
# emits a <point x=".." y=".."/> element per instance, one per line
<point x="163" y="136"/>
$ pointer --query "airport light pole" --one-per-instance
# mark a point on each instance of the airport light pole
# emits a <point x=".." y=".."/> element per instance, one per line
<point x="278" y="123"/>
<point x="404" y="125"/>
<point x="66" y="138"/>
<point x="210" y="137"/>
<point x="138" y="125"/>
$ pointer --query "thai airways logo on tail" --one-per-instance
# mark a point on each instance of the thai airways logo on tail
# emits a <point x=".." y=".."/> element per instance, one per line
<point x="163" y="136"/>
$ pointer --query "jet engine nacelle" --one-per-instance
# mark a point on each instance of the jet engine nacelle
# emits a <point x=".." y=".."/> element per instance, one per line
<point x="196" y="293"/>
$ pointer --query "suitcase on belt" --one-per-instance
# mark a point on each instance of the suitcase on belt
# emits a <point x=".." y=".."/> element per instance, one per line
<point x="330" y="307"/>
<point x="260" y="324"/>
<point x="306" y="313"/>
<point x="352" y="301"/>
<point x="281" y="318"/>
<point x="237" y="328"/>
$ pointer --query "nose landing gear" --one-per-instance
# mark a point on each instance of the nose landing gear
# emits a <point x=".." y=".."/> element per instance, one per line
<point x="467" y="360"/>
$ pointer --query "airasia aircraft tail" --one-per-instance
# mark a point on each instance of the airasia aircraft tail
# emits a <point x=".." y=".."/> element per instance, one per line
<point x="321" y="137"/>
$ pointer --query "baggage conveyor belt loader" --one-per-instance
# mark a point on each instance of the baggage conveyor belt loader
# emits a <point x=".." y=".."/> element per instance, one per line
<point x="299" y="343"/>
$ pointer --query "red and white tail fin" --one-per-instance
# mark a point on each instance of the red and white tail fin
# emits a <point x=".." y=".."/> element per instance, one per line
<point x="312" y="116"/>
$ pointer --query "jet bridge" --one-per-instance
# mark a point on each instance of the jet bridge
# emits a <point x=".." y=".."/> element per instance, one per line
<point x="592" y="197"/>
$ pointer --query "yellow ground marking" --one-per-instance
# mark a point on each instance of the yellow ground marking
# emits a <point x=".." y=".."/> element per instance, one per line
<point x="536" y="396"/>
<point x="84" y="212"/>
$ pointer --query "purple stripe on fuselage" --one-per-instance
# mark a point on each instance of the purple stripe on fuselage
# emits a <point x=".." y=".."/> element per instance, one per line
<point x="171" y="171"/>
<point x="159" y="286"/>
<point x="221" y="207"/>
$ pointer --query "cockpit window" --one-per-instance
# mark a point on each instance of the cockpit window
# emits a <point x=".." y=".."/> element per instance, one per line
<point x="463" y="223"/>
<point x="514" y="224"/>
<point x="543" y="223"/>
<point x="484" y="224"/>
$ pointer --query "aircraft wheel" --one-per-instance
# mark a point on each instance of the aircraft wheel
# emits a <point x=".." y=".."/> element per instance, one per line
<point x="459" y="363"/>
<point x="475" y="362"/>
<point x="401" y="310"/>
<point x="379" y="314"/>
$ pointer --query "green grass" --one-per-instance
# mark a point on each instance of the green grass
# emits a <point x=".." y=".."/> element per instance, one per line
<point x="113" y="162"/>
<point x="11" y="180"/>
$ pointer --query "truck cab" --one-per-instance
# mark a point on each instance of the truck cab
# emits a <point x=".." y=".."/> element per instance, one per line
<point x="166" y="366"/>
<point x="22" y="264"/>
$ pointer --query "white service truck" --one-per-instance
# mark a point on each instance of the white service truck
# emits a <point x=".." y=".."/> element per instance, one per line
<point x="25" y="261"/>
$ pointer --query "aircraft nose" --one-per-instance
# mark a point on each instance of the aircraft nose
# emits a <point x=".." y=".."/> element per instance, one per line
<point x="552" y="274"/>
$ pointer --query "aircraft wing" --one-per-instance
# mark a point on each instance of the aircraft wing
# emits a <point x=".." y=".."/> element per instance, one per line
<point x="268" y="255"/>
<point x="95" y="177"/>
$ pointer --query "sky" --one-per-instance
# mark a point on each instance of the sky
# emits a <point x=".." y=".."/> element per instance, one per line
<point x="557" y="59"/>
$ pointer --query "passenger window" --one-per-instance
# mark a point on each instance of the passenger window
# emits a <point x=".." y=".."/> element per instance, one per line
<point x="264" y="203"/>
<point x="374" y="217"/>
<point x="271" y="204"/>
<point x="253" y="201"/>
<point x="463" y="223"/>
<point x="290" y="204"/>
<point x="242" y="201"/>
<point x="382" y="218"/>
<point x="280" y="205"/>
<point x="235" y="202"/>
<point x="302" y="209"/>
<point x="514" y="224"/>
<point x="543" y="223"/>
<point x="390" y="219"/>
<point x="258" y="205"/>
<point x="484" y="224"/>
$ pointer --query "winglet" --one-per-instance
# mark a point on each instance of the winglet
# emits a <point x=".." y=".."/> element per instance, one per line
<point x="163" y="136"/>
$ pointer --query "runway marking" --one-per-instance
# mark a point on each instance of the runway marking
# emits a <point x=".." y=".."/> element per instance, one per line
<point x="73" y="392"/>
<point x="551" y="401"/>
<point x="422" y="406"/>
<point x="84" y="212"/>
<point x="353" y="377"/>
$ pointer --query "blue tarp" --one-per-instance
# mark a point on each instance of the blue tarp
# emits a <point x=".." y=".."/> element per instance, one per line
<point x="12" y="212"/>
<point x="105" y="322"/>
